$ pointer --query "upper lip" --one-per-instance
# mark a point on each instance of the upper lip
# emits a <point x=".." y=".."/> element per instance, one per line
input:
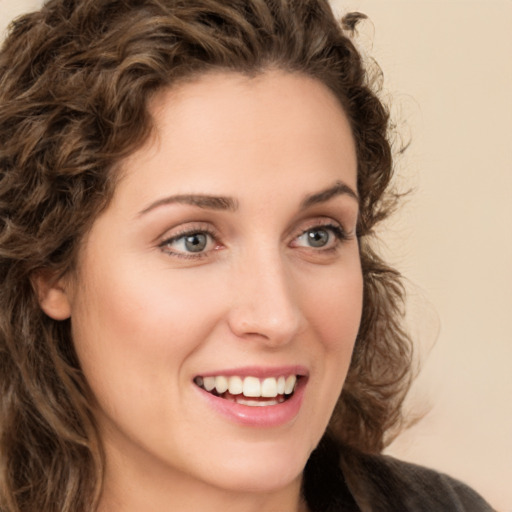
<point x="259" y="371"/>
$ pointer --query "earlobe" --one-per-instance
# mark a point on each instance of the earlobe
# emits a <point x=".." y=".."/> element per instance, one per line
<point x="52" y="295"/>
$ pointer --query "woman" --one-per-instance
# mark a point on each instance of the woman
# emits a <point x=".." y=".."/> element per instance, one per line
<point x="193" y="317"/>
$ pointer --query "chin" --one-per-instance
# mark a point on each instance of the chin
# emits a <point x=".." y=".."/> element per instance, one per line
<point x="262" y="467"/>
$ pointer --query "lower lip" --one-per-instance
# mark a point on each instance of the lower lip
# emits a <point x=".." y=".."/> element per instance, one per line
<point x="263" y="416"/>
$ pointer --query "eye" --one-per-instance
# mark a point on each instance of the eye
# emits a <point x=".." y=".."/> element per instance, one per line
<point x="321" y="237"/>
<point x="189" y="244"/>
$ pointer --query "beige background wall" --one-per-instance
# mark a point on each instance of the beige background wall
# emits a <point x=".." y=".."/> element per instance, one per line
<point x="448" y="68"/>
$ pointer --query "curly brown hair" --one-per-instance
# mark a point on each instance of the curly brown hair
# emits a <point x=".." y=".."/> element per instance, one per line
<point x="75" y="81"/>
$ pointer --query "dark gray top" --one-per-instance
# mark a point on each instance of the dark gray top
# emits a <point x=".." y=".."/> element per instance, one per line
<point x="340" y="479"/>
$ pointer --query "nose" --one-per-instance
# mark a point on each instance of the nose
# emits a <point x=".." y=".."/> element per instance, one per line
<point x="265" y="301"/>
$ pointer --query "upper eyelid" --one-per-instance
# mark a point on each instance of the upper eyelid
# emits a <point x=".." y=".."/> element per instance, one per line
<point x="174" y="238"/>
<point x="337" y="230"/>
<point x="342" y="213"/>
<point x="334" y="226"/>
<point x="204" y="227"/>
<point x="319" y="223"/>
<point x="164" y="245"/>
<point x="178" y="232"/>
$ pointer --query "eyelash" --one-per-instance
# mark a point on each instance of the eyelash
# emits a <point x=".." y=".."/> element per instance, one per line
<point x="164" y="245"/>
<point x="339" y="233"/>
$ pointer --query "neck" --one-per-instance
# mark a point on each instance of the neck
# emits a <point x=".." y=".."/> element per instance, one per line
<point x="132" y="488"/>
<point x="191" y="498"/>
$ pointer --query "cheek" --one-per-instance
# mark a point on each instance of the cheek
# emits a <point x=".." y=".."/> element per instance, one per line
<point x="337" y="320"/>
<point x="125" y="332"/>
<point x="333" y="306"/>
<point x="133" y="338"/>
<point x="122" y="305"/>
<point x="335" y="309"/>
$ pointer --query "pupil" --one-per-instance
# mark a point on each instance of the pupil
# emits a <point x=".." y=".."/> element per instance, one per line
<point x="196" y="242"/>
<point x="318" y="238"/>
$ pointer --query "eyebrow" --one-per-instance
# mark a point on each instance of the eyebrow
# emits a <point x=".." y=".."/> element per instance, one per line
<point x="200" y="200"/>
<point x="229" y="204"/>
<point x="339" y="188"/>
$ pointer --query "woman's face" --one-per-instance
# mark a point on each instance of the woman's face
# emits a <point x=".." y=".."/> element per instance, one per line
<point x="227" y="257"/>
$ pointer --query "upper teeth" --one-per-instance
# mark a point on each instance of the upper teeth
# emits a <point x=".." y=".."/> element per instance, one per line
<point x="249" y="386"/>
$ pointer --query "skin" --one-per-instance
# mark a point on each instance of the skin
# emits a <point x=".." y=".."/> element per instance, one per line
<point x="148" y="315"/>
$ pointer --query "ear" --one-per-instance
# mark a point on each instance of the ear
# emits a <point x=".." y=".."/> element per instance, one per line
<point x="52" y="294"/>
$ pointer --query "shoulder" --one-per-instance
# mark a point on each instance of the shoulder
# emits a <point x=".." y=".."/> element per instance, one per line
<point x="390" y="484"/>
<point x="338" y="477"/>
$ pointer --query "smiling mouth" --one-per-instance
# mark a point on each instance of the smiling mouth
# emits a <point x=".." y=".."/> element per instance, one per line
<point x="250" y="391"/>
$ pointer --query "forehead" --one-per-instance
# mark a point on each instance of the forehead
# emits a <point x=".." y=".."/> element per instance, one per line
<point x="227" y="129"/>
<point x="245" y="105"/>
